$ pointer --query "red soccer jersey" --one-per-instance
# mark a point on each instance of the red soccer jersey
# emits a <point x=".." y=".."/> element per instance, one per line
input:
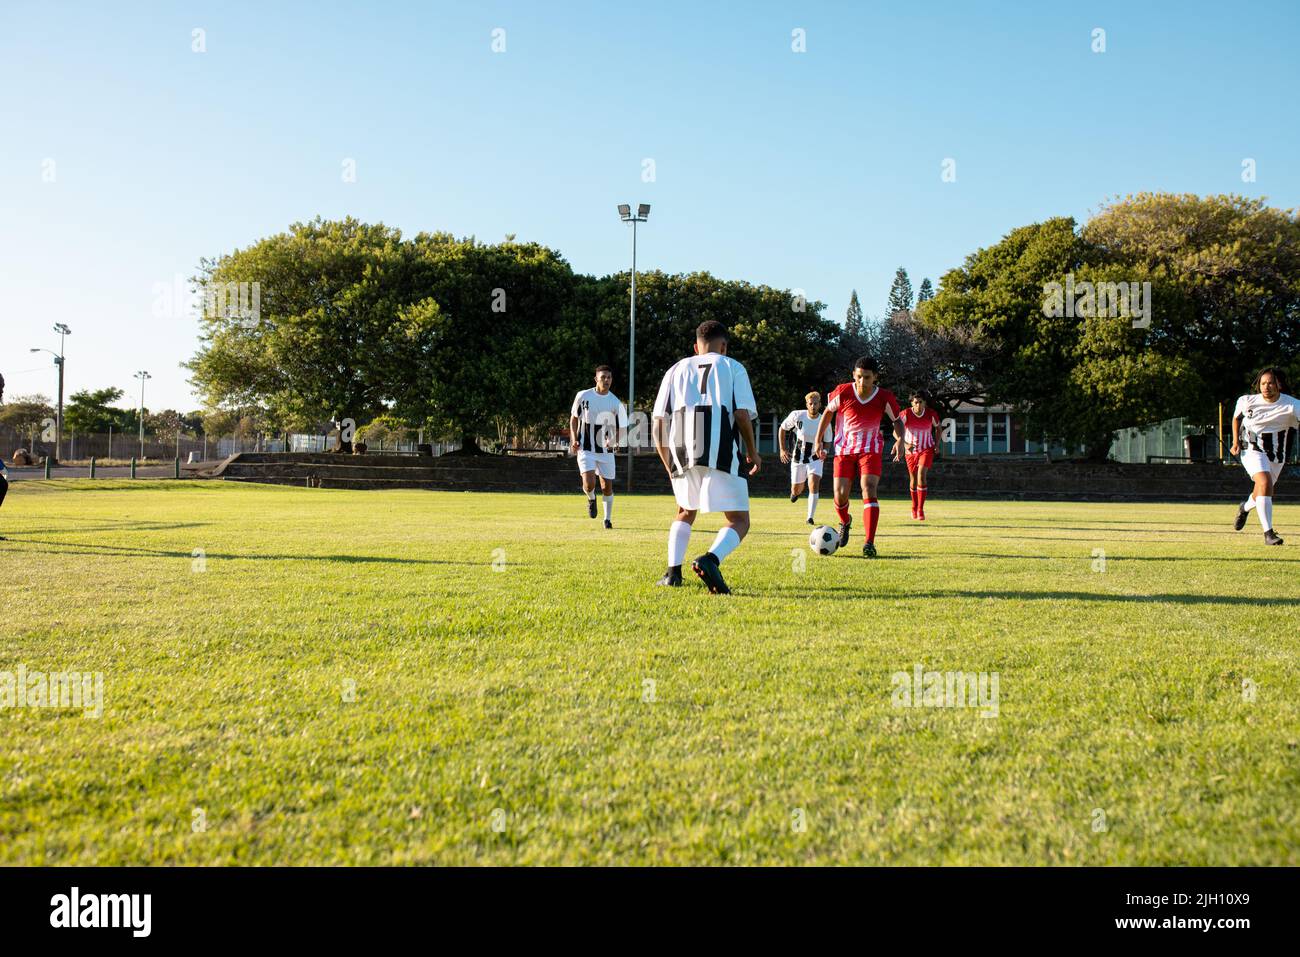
<point x="857" y="421"/>
<point x="920" y="428"/>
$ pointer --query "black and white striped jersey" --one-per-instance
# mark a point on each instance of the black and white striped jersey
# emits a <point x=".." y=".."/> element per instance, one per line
<point x="698" y="400"/>
<point x="804" y="427"/>
<point x="1265" y="425"/>
<point x="602" y="421"/>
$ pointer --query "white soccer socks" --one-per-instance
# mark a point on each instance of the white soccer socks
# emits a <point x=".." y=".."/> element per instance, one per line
<point x="679" y="536"/>
<point x="725" y="543"/>
<point x="1264" y="508"/>
<point x="812" y="504"/>
<point x="1250" y="503"/>
<point x="591" y="496"/>
<point x="608" y="501"/>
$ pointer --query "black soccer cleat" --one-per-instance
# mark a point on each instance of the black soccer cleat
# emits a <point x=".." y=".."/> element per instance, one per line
<point x="706" y="566"/>
<point x="868" y="549"/>
<point x="672" y="577"/>
<point x="1240" y="521"/>
<point x="811" y="522"/>
<point x="591" y="508"/>
<point x="844" y="533"/>
<point x="1272" y="538"/>
<point x="794" y="498"/>
<point x="608" y="523"/>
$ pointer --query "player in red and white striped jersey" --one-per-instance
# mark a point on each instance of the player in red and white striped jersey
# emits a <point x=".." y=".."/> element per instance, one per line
<point x="858" y="408"/>
<point x="920" y="423"/>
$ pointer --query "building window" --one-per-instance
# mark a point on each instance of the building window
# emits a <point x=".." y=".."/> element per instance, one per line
<point x="1000" y="434"/>
<point x="961" y="435"/>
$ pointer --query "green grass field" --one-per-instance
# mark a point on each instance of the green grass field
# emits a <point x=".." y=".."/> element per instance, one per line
<point x="453" y="678"/>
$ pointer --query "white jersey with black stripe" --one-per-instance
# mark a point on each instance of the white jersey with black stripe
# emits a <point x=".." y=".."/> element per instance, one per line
<point x="1265" y="425"/>
<point x="698" y="400"/>
<point x="804" y="427"/>
<point x="602" y="420"/>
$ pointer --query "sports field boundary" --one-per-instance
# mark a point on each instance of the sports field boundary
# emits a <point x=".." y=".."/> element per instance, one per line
<point x="979" y="479"/>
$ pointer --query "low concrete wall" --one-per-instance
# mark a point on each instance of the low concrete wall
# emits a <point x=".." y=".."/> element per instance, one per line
<point x="1055" y="481"/>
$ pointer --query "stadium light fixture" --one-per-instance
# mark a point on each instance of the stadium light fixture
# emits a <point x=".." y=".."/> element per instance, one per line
<point x="625" y="214"/>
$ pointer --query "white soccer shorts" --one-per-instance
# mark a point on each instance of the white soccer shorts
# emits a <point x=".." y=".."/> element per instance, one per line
<point x="600" y="462"/>
<point x="799" y="471"/>
<point x="703" y="489"/>
<point x="1255" y="462"/>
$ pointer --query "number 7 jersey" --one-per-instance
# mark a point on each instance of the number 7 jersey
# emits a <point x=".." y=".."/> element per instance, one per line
<point x="698" y="399"/>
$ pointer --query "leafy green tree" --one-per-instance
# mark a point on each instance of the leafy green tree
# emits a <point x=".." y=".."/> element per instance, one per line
<point x="165" y="425"/>
<point x="484" y="338"/>
<point x="1225" y="272"/>
<point x="900" y="293"/>
<point x="25" y="414"/>
<point x="785" y="343"/>
<point x="330" y="294"/>
<point x="926" y="292"/>
<point x="1076" y="379"/>
<point x="853" y="322"/>
<point x="92" y="411"/>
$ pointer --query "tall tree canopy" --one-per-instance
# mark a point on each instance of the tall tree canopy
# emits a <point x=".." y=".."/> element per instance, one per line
<point x="900" y="293"/>
<point x="92" y="410"/>
<point x="1224" y="276"/>
<point x="463" y="337"/>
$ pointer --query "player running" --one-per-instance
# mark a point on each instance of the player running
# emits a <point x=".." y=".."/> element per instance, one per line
<point x="804" y="466"/>
<point x="703" y="413"/>
<point x="920" y="423"/>
<point x="1267" y="415"/>
<point x="596" y="423"/>
<point x="858" y="408"/>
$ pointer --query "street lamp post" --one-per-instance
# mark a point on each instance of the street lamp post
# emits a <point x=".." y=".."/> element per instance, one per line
<point x="142" y="375"/>
<point x="625" y="214"/>
<point x="63" y="331"/>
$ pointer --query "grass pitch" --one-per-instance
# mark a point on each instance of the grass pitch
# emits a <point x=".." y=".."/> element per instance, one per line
<point x="305" y="676"/>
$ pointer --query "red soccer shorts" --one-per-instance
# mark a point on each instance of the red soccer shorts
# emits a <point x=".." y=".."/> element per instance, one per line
<point x="924" y="458"/>
<point x="849" y="466"/>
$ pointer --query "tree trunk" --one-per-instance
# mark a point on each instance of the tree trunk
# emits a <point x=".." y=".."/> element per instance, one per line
<point x="468" y="446"/>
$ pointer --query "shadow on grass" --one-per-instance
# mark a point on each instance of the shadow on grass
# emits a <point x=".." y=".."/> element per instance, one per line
<point x="955" y="594"/>
<point x="110" y="525"/>
<point x="1115" y="558"/>
<point x="130" y="551"/>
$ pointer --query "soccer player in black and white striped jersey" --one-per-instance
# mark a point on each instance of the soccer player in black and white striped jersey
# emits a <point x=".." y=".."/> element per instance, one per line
<point x="1261" y="424"/>
<point x="597" y="421"/>
<point x="804" y="464"/>
<point x="703" y="414"/>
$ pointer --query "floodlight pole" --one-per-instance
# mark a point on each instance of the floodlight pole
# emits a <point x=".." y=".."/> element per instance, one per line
<point x="632" y="346"/>
<point x="142" y="375"/>
<point x="643" y="211"/>
<point x="63" y="331"/>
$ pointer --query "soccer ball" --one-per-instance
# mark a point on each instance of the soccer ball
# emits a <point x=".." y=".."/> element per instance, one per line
<point x="824" y="540"/>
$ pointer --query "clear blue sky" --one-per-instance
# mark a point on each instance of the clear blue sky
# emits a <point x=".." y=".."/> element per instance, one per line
<point x="816" y="170"/>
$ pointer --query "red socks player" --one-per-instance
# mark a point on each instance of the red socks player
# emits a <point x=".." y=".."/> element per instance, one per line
<point x="919" y="425"/>
<point x="858" y="408"/>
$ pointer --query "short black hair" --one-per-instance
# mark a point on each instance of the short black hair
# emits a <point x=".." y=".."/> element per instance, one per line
<point x="919" y="394"/>
<point x="867" y="364"/>
<point x="711" y="329"/>
<point x="600" y="369"/>
<point x="1277" y="374"/>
